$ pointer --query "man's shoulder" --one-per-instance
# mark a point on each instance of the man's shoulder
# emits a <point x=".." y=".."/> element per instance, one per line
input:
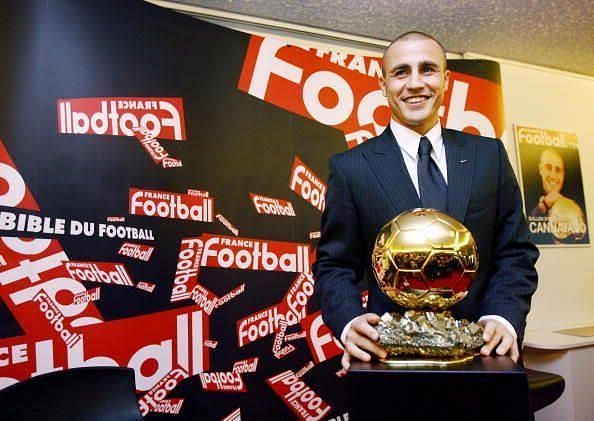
<point x="485" y="145"/>
<point x="470" y="137"/>
<point x="358" y="151"/>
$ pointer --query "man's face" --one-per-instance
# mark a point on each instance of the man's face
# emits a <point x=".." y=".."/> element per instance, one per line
<point x="414" y="81"/>
<point x="552" y="171"/>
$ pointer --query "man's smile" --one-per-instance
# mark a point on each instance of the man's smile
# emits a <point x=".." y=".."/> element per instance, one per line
<point x="416" y="99"/>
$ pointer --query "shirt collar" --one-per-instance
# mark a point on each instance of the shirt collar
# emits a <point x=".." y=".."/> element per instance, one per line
<point x="409" y="140"/>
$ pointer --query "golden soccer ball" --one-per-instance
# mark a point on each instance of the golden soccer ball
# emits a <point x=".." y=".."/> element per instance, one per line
<point x="567" y="219"/>
<point x="424" y="259"/>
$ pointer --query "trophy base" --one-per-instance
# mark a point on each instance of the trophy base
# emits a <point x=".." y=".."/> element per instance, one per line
<point x="425" y="338"/>
<point x="402" y="361"/>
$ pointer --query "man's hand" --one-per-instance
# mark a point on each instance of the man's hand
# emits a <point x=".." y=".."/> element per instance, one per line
<point x="498" y="337"/>
<point x="361" y="340"/>
<point x="550" y="199"/>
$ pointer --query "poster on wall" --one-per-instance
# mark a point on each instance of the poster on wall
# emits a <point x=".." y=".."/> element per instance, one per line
<point x="162" y="181"/>
<point x="549" y="162"/>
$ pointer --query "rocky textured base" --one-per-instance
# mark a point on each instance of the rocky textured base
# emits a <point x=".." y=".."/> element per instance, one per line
<point x="428" y="334"/>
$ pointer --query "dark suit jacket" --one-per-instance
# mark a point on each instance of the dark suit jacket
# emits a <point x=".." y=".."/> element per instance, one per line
<point x="369" y="185"/>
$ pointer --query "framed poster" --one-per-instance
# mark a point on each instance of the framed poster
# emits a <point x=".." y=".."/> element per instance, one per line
<point x="552" y="183"/>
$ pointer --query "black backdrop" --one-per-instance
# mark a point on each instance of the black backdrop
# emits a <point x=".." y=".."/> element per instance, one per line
<point x="236" y="144"/>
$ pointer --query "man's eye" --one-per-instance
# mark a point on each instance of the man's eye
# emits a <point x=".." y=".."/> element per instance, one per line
<point x="399" y="73"/>
<point x="428" y="69"/>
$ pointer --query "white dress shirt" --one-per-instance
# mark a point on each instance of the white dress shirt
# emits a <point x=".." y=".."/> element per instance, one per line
<point x="408" y="142"/>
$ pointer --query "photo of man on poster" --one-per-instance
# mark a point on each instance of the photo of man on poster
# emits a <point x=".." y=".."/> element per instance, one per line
<point x="564" y="212"/>
<point x="552" y="187"/>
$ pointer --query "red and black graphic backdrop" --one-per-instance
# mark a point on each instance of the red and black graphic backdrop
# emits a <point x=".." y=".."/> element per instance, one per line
<point x="161" y="183"/>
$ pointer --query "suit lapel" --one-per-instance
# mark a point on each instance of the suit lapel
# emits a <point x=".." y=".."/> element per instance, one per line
<point x="460" y="157"/>
<point x="388" y="166"/>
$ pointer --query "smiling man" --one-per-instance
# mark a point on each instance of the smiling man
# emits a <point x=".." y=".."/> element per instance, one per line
<point x="417" y="163"/>
<point x="552" y="172"/>
<point x="414" y="79"/>
<point x="565" y="217"/>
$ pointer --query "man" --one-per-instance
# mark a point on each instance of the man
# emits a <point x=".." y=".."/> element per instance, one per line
<point x="565" y="215"/>
<point x="377" y="180"/>
<point x="552" y="172"/>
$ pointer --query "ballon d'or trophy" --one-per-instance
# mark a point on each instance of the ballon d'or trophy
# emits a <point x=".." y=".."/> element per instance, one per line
<point x="425" y="261"/>
<point x="567" y="218"/>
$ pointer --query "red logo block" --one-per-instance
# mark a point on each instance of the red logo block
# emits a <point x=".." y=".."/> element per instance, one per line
<point x="308" y="185"/>
<point x="136" y="251"/>
<point x="254" y="254"/>
<point x="298" y="396"/>
<point x="104" y="272"/>
<point x="322" y="344"/>
<point x="171" y="205"/>
<point x="163" y="117"/>
<point x="271" y="206"/>
<point x="188" y="267"/>
<point x="222" y="381"/>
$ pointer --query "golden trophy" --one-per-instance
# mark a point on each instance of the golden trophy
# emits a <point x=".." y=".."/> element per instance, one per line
<point x="567" y="219"/>
<point x="425" y="261"/>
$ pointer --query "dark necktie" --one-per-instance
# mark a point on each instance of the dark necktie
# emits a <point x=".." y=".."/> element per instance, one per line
<point x="432" y="186"/>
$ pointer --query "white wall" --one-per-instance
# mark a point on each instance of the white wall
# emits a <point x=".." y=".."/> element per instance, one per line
<point x="546" y="98"/>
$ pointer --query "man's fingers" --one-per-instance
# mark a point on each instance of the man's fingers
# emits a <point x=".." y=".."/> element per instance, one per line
<point x="515" y="352"/>
<point x="345" y="361"/>
<point x="489" y="329"/>
<point x="492" y="343"/>
<point x="370" y="346"/>
<point x="551" y="198"/>
<point x="372" y="318"/>
<point x="362" y="348"/>
<point x="499" y="338"/>
<point x="486" y="350"/>
<point x="505" y="345"/>
<point x="363" y="328"/>
<point x="361" y="340"/>
<point x="357" y="352"/>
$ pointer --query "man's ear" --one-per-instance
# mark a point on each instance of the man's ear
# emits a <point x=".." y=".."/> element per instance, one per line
<point x="446" y="80"/>
<point x="382" y="85"/>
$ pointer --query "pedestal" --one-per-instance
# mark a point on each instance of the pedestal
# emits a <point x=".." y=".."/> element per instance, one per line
<point x="483" y="389"/>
